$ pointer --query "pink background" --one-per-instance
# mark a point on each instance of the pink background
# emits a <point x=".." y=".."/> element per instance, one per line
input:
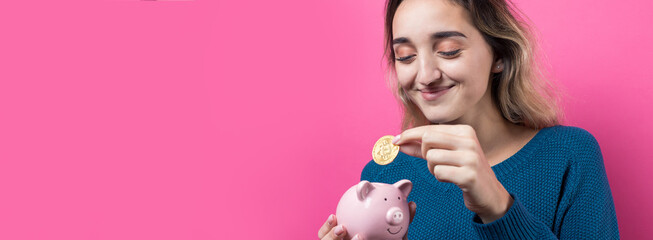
<point x="248" y="119"/>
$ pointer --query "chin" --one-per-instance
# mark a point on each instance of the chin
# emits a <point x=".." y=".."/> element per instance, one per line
<point x="435" y="118"/>
<point x="438" y="115"/>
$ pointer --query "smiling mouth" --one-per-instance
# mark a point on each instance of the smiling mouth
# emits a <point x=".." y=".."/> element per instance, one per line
<point x="431" y="95"/>
<point x="433" y="90"/>
<point x="393" y="233"/>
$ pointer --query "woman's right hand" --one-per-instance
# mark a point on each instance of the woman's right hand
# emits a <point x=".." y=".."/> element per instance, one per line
<point x="331" y="231"/>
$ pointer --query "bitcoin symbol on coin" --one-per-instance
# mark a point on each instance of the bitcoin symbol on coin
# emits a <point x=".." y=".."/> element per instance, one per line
<point x="384" y="151"/>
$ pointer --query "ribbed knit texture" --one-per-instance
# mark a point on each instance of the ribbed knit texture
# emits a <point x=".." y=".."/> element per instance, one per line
<point x="557" y="181"/>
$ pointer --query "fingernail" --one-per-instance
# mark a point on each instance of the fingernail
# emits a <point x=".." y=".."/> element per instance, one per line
<point x="396" y="139"/>
<point x="356" y="237"/>
<point x="338" y="231"/>
<point x="330" y="220"/>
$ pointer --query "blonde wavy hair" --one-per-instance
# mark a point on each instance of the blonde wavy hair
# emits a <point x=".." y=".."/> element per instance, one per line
<point x="521" y="90"/>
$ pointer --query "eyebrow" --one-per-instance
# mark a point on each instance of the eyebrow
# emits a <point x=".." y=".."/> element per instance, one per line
<point x="435" y="36"/>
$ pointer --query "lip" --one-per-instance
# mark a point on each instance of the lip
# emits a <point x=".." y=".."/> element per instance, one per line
<point x="434" y="93"/>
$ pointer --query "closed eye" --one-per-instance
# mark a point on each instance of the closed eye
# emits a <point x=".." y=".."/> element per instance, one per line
<point x="446" y="54"/>
<point x="451" y="53"/>
<point x="405" y="59"/>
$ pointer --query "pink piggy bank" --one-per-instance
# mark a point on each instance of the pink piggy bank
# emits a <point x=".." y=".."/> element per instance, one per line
<point x="375" y="210"/>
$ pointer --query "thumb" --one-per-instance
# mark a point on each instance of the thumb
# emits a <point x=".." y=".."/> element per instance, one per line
<point x="412" y="148"/>
<point x="413" y="209"/>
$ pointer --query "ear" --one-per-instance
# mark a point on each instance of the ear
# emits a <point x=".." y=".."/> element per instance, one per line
<point x="363" y="189"/>
<point x="498" y="66"/>
<point x="404" y="186"/>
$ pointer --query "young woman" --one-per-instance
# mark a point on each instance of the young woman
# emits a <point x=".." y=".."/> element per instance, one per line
<point x="481" y="139"/>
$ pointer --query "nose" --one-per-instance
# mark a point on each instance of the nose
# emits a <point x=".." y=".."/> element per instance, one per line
<point x="394" y="216"/>
<point x="428" y="71"/>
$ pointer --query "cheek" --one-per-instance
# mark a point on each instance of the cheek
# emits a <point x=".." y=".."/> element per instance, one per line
<point x="456" y="70"/>
<point x="471" y="71"/>
<point x="404" y="76"/>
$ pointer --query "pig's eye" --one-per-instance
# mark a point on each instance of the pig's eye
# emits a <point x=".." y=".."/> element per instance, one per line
<point x="386" y="199"/>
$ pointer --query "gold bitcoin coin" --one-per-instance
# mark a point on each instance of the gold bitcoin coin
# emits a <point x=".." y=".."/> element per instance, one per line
<point x="384" y="151"/>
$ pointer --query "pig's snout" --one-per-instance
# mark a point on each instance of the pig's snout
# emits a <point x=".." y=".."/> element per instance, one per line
<point x="395" y="216"/>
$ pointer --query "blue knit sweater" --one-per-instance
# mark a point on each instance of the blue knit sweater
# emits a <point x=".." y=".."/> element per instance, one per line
<point x="557" y="181"/>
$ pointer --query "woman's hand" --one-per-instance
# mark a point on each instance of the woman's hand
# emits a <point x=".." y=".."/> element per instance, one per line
<point x="329" y="230"/>
<point x="455" y="156"/>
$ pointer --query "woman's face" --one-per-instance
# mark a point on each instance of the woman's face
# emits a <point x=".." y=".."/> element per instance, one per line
<point x="442" y="61"/>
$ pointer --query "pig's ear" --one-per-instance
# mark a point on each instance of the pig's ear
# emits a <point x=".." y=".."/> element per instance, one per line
<point x="363" y="189"/>
<point x="404" y="186"/>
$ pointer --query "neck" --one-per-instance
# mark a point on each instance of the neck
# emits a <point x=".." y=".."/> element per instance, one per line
<point x="492" y="132"/>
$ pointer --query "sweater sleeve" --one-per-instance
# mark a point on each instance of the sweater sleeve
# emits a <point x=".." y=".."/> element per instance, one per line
<point x="586" y="207"/>
<point x="517" y="223"/>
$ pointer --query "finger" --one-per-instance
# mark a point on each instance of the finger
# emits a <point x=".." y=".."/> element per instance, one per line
<point x="411" y="135"/>
<point x="446" y="157"/>
<point x="413" y="208"/>
<point x="338" y="232"/>
<point x="327" y="226"/>
<point x="450" y="174"/>
<point x="438" y="140"/>
<point x="357" y="237"/>
<point x="414" y="134"/>
<point x="458" y="129"/>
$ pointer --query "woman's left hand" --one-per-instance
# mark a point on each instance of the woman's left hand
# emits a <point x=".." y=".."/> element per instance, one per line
<point x="454" y="155"/>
